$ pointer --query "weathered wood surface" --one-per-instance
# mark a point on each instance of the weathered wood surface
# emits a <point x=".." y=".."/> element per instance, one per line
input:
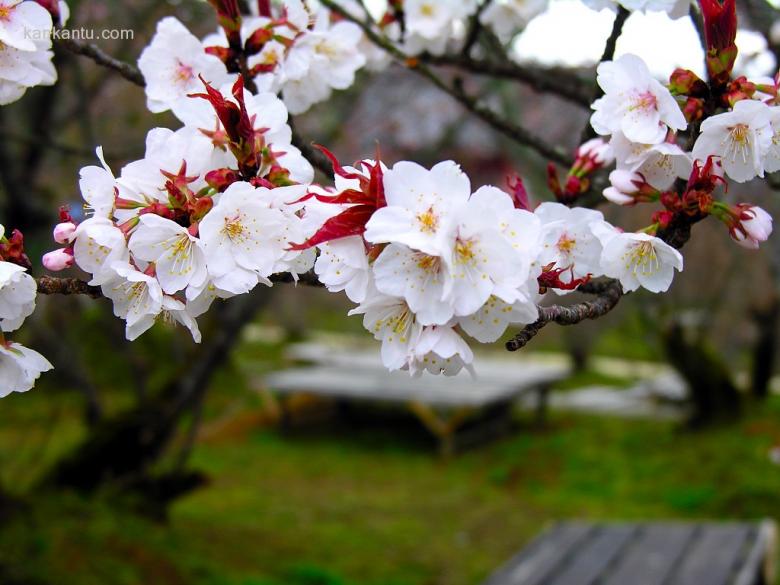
<point x="576" y="553"/>
<point x="370" y="383"/>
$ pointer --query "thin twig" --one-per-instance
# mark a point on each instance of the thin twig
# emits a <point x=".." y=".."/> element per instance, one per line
<point x="562" y="83"/>
<point x="516" y="133"/>
<point x="475" y="25"/>
<point x="92" y="51"/>
<point x="610" y="294"/>
<point x="608" y="54"/>
<point x="50" y="285"/>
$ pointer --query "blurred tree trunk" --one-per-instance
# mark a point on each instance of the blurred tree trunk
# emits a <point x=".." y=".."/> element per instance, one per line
<point x="713" y="395"/>
<point x="121" y="450"/>
<point x="765" y="349"/>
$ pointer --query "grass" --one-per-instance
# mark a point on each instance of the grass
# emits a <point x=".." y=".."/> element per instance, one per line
<point x="372" y="504"/>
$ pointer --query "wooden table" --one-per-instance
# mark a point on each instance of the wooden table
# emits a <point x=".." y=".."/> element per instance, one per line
<point x="444" y="405"/>
<point x="658" y="553"/>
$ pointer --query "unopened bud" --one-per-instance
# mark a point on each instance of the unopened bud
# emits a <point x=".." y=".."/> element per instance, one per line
<point x="221" y="179"/>
<point x="63" y="232"/>
<point x="58" y="260"/>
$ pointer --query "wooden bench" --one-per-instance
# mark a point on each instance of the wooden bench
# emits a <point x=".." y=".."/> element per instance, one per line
<point x="446" y="406"/>
<point x="578" y="553"/>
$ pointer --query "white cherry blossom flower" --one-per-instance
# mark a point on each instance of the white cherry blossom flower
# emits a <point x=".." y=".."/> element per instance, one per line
<point x="491" y="321"/>
<point x="439" y="350"/>
<point x="173" y="63"/>
<point x="98" y="244"/>
<point x="20" y="367"/>
<point x="771" y="162"/>
<point x="634" y="102"/>
<point x="137" y="298"/>
<point x="98" y="187"/>
<point x="430" y="24"/>
<point x="343" y="266"/>
<point x="506" y="17"/>
<point x="482" y="261"/>
<point x="17" y="296"/>
<point x="178" y="256"/>
<point x="638" y="259"/>
<point x="390" y="320"/>
<point x="143" y="181"/>
<point x="741" y="138"/>
<point x="325" y="58"/>
<point x="243" y="238"/>
<point x="420" y="205"/>
<point x="568" y="239"/>
<point x="19" y="23"/>
<point x="418" y="278"/>
<point x="674" y="8"/>
<point x="660" y="164"/>
<point x="21" y="70"/>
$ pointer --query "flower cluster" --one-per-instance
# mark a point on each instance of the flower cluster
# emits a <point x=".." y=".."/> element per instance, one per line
<point x="429" y="262"/>
<point x="738" y="141"/>
<point x="303" y="54"/>
<point x="207" y="213"/>
<point x="25" y="46"/>
<point x="20" y="367"/>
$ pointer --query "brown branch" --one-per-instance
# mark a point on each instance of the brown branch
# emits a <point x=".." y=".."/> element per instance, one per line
<point x="609" y="294"/>
<point x="560" y="82"/>
<point x="92" y="51"/>
<point x="49" y="285"/>
<point x="608" y="54"/>
<point x="515" y="132"/>
<point x="52" y="285"/>
<point x="474" y="27"/>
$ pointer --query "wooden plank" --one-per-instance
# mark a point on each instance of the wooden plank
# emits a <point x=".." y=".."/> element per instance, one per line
<point x="534" y="564"/>
<point x="759" y="556"/>
<point x="714" y="555"/>
<point x="652" y="555"/>
<point x="592" y="557"/>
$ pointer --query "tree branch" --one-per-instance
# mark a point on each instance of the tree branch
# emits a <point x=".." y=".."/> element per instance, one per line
<point x="609" y="294"/>
<point x="92" y="51"/>
<point x="608" y="54"/>
<point x="559" y="82"/>
<point x="49" y="285"/>
<point x="515" y="132"/>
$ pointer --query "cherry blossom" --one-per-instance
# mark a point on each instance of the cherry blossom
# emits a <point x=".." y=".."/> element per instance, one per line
<point x="634" y="103"/>
<point x="20" y="367"/>
<point x="391" y="321"/>
<point x="753" y="227"/>
<point x="420" y="205"/>
<point x="638" y="259"/>
<point x="431" y="24"/>
<point x="25" y="49"/>
<point x="660" y="164"/>
<point x="343" y="266"/>
<point x="17" y="296"/>
<point x="741" y="138"/>
<point x="506" y="17"/>
<point x="568" y="240"/>
<point x="439" y="350"/>
<point x="243" y="239"/>
<point x="178" y="255"/>
<point x="173" y="63"/>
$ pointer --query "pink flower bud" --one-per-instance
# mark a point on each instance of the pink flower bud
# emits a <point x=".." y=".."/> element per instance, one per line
<point x="626" y="181"/>
<point x="597" y="150"/>
<point x="58" y="259"/>
<point x="63" y="232"/>
<point x="754" y="227"/>
<point x="617" y="197"/>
